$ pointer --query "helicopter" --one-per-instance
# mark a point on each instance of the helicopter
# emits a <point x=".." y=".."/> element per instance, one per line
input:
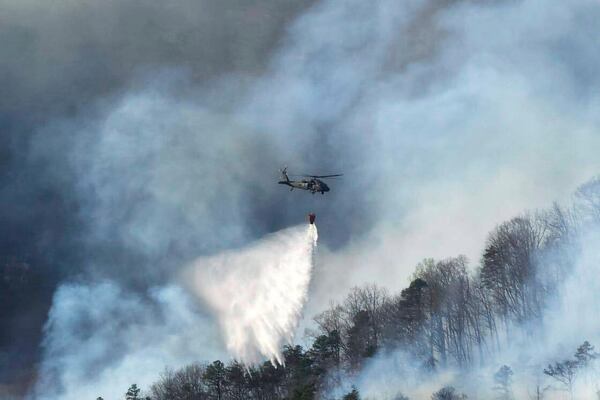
<point x="312" y="183"/>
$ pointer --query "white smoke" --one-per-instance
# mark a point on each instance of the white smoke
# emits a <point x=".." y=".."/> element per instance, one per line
<point x="257" y="293"/>
<point x="101" y="338"/>
<point x="445" y="135"/>
<point x="566" y="323"/>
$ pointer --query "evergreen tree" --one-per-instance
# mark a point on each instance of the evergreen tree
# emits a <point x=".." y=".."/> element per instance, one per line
<point x="235" y="376"/>
<point x="503" y="381"/>
<point x="214" y="376"/>
<point x="448" y="393"/>
<point x="585" y="354"/>
<point x="353" y="395"/>
<point x="133" y="393"/>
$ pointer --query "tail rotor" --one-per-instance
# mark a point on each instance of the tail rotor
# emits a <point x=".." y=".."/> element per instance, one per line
<point x="284" y="175"/>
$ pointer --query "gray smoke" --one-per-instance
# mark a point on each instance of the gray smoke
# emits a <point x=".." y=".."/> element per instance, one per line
<point x="62" y="65"/>
<point x="101" y="336"/>
<point x="162" y="139"/>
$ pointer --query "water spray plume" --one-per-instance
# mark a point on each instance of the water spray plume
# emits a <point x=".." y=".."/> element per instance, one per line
<point x="257" y="293"/>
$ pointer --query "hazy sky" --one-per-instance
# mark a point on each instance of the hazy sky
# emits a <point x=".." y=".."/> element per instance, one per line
<point x="136" y="137"/>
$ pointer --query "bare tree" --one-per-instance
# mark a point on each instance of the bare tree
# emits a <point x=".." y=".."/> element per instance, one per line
<point x="564" y="372"/>
<point x="186" y="384"/>
<point x="509" y="267"/>
<point x="587" y="200"/>
<point x="368" y="299"/>
<point x="358" y="321"/>
<point x="454" y="324"/>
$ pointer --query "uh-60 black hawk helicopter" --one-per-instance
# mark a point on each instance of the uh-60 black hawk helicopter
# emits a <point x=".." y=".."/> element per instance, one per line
<point x="312" y="183"/>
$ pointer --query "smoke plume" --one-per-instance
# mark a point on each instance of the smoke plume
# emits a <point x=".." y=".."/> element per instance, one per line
<point x="136" y="137"/>
<point x="101" y="337"/>
<point x="257" y="293"/>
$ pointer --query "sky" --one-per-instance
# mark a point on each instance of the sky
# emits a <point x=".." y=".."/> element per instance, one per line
<point x="137" y="137"/>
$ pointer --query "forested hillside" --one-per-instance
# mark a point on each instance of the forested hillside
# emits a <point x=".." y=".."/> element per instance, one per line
<point x="455" y="315"/>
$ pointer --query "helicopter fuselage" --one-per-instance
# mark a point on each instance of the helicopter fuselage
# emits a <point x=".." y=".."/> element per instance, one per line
<point x="313" y="185"/>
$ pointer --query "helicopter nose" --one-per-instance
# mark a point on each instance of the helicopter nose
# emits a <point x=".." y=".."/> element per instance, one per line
<point x="325" y="188"/>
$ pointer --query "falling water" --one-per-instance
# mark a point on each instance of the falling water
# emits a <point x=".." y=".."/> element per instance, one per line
<point x="257" y="293"/>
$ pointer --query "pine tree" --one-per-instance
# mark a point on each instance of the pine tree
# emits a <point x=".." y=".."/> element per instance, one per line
<point x="448" y="393"/>
<point x="585" y="354"/>
<point x="503" y="380"/>
<point x="133" y="393"/>
<point x="214" y="376"/>
<point x="353" y="395"/>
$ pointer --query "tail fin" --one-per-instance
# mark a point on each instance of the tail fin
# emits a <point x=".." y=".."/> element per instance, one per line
<point x="284" y="175"/>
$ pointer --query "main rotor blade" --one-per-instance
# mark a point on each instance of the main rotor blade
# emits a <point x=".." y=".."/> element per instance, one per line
<point x="325" y="176"/>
